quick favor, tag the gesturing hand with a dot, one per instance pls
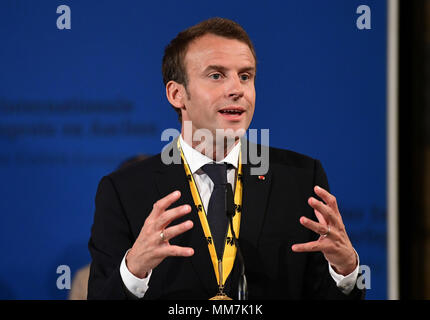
(333, 242)
(152, 245)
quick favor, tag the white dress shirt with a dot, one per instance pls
(196, 160)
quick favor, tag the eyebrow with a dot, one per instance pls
(224, 69)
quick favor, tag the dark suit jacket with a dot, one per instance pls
(269, 226)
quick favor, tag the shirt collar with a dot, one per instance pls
(196, 159)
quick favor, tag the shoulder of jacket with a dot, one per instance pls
(278, 156)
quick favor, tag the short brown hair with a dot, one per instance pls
(173, 66)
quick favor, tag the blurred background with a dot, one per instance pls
(78, 100)
(414, 149)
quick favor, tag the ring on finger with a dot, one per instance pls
(327, 233)
(163, 236)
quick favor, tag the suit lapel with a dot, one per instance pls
(170, 178)
(256, 190)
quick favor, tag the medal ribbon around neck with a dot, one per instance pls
(229, 246)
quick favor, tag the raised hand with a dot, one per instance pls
(152, 245)
(333, 242)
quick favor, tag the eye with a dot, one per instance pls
(245, 77)
(215, 76)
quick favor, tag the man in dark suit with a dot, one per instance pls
(149, 239)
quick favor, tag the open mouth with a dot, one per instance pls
(231, 112)
(234, 112)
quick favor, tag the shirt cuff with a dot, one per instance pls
(346, 283)
(135, 285)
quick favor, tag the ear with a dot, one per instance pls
(176, 94)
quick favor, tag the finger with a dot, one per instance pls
(174, 231)
(176, 251)
(327, 197)
(312, 246)
(314, 226)
(322, 208)
(161, 205)
(168, 216)
(320, 217)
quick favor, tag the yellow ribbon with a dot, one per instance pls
(229, 246)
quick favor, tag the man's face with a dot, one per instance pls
(221, 92)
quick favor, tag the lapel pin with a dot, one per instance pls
(262, 177)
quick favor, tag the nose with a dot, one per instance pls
(235, 89)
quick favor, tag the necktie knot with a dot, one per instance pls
(217, 172)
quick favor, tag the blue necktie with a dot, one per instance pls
(216, 215)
